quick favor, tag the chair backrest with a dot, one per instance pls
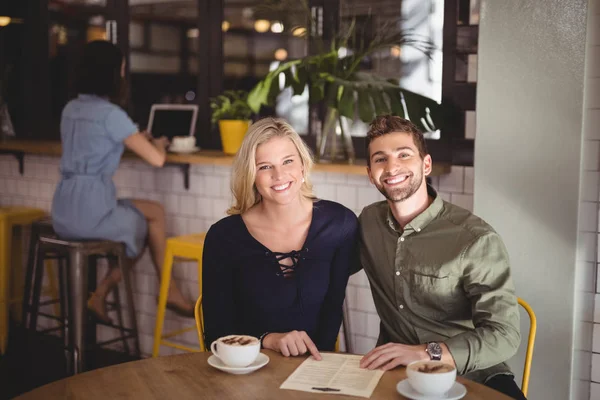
(199, 323)
(530, 344)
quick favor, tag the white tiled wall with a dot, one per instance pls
(587, 296)
(194, 210)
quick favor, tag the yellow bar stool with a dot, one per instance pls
(9, 218)
(188, 247)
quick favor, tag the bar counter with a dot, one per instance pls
(212, 157)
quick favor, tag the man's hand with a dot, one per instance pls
(292, 343)
(392, 355)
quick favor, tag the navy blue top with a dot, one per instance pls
(245, 291)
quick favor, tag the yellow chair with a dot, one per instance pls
(530, 344)
(188, 247)
(200, 323)
(9, 218)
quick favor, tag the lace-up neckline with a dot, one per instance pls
(287, 271)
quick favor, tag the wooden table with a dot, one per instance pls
(188, 376)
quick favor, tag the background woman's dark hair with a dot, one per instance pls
(100, 72)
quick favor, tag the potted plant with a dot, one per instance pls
(334, 78)
(232, 112)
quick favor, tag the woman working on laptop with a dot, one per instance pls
(94, 132)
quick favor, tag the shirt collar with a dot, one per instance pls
(422, 220)
(88, 96)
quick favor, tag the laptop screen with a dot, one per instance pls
(171, 123)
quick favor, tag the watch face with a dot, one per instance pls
(434, 350)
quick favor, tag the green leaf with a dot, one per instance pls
(366, 112)
(379, 101)
(274, 90)
(332, 95)
(258, 96)
(417, 106)
(299, 84)
(290, 77)
(396, 103)
(347, 102)
(316, 92)
(231, 105)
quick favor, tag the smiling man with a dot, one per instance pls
(440, 276)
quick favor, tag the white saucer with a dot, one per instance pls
(184, 151)
(260, 362)
(457, 391)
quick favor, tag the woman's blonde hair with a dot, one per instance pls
(243, 173)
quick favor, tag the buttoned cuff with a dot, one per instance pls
(459, 348)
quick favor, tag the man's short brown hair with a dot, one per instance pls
(385, 124)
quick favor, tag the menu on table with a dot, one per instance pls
(336, 374)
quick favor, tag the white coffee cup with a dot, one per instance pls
(183, 142)
(236, 350)
(431, 378)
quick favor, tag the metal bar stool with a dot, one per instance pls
(38, 228)
(189, 247)
(79, 263)
(11, 217)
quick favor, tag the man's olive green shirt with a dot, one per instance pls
(444, 278)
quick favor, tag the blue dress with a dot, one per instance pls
(245, 290)
(85, 204)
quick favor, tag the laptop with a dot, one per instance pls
(172, 120)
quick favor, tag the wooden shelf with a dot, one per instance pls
(20, 148)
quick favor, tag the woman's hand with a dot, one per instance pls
(292, 343)
(147, 135)
(161, 142)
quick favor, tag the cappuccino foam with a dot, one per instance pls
(432, 368)
(239, 340)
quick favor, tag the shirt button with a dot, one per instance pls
(401, 306)
(418, 229)
(398, 273)
(402, 239)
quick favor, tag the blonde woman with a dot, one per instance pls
(277, 267)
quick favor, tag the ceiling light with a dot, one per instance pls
(299, 31)
(193, 33)
(4, 21)
(281, 54)
(395, 51)
(225, 25)
(261, 25)
(277, 27)
(96, 20)
(247, 12)
(190, 95)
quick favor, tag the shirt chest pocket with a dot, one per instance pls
(438, 297)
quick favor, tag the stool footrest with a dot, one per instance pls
(178, 332)
(49, 302)
(50, 316)
(179, 346)
(49, 330)
(117, 339)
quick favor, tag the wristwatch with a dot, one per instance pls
(434, 350)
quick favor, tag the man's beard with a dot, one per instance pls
(400, 194)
